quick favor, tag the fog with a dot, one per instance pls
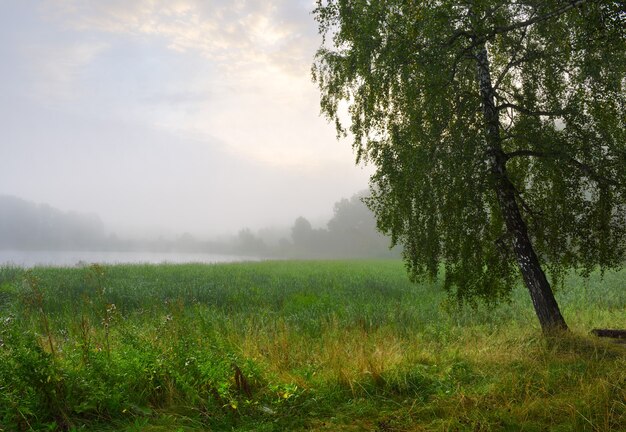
(36, 234)
(160, 118)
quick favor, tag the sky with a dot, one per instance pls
(169, 116)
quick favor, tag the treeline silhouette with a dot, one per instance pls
(350, 232)
(25, 225)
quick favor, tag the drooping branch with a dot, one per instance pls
(477, 41)
(522, 24)
(524, 204)
(511, 123)
(509, 136)
(458, 58)
(527, 111)
(514, 63)
(582, 167)
(518, 153)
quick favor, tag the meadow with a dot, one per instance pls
(298, 346)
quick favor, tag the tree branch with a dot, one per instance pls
(532, 153)
(513, 63)
(587, 170)
(529, 112)
(477, 41)
(560, 11)
(509, 136)
(525, 205)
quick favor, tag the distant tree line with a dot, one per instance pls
(26, 225)
(350, 233)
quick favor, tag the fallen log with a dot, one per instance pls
(609, 333)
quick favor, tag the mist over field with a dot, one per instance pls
(162, 118)
(34, 234)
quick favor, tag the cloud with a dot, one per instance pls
(179, 98)
(234, 34)
(56, 68)
(257, 98)
(229, 70)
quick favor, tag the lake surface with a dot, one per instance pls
(73, 258)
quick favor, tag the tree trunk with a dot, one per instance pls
(545, 304)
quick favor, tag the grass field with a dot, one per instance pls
(295, 346)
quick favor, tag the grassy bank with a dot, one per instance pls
(273, 346)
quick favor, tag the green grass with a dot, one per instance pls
(294, 346)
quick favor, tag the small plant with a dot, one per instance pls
(109, 313)
(35, 299)
(84, 332)
(285, 392)
(96, 276)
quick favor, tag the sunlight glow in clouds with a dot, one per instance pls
(193, 115)
(261, 52)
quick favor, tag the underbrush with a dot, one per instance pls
(287, 346)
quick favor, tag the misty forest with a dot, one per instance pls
(187, 244)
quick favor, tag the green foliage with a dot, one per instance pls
(407, 72)
(295, 346)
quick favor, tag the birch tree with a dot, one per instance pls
(497, 133)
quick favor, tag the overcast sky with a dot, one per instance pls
(180, 115)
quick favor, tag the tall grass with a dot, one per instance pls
(297, 346)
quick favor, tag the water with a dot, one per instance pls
(74, 258)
